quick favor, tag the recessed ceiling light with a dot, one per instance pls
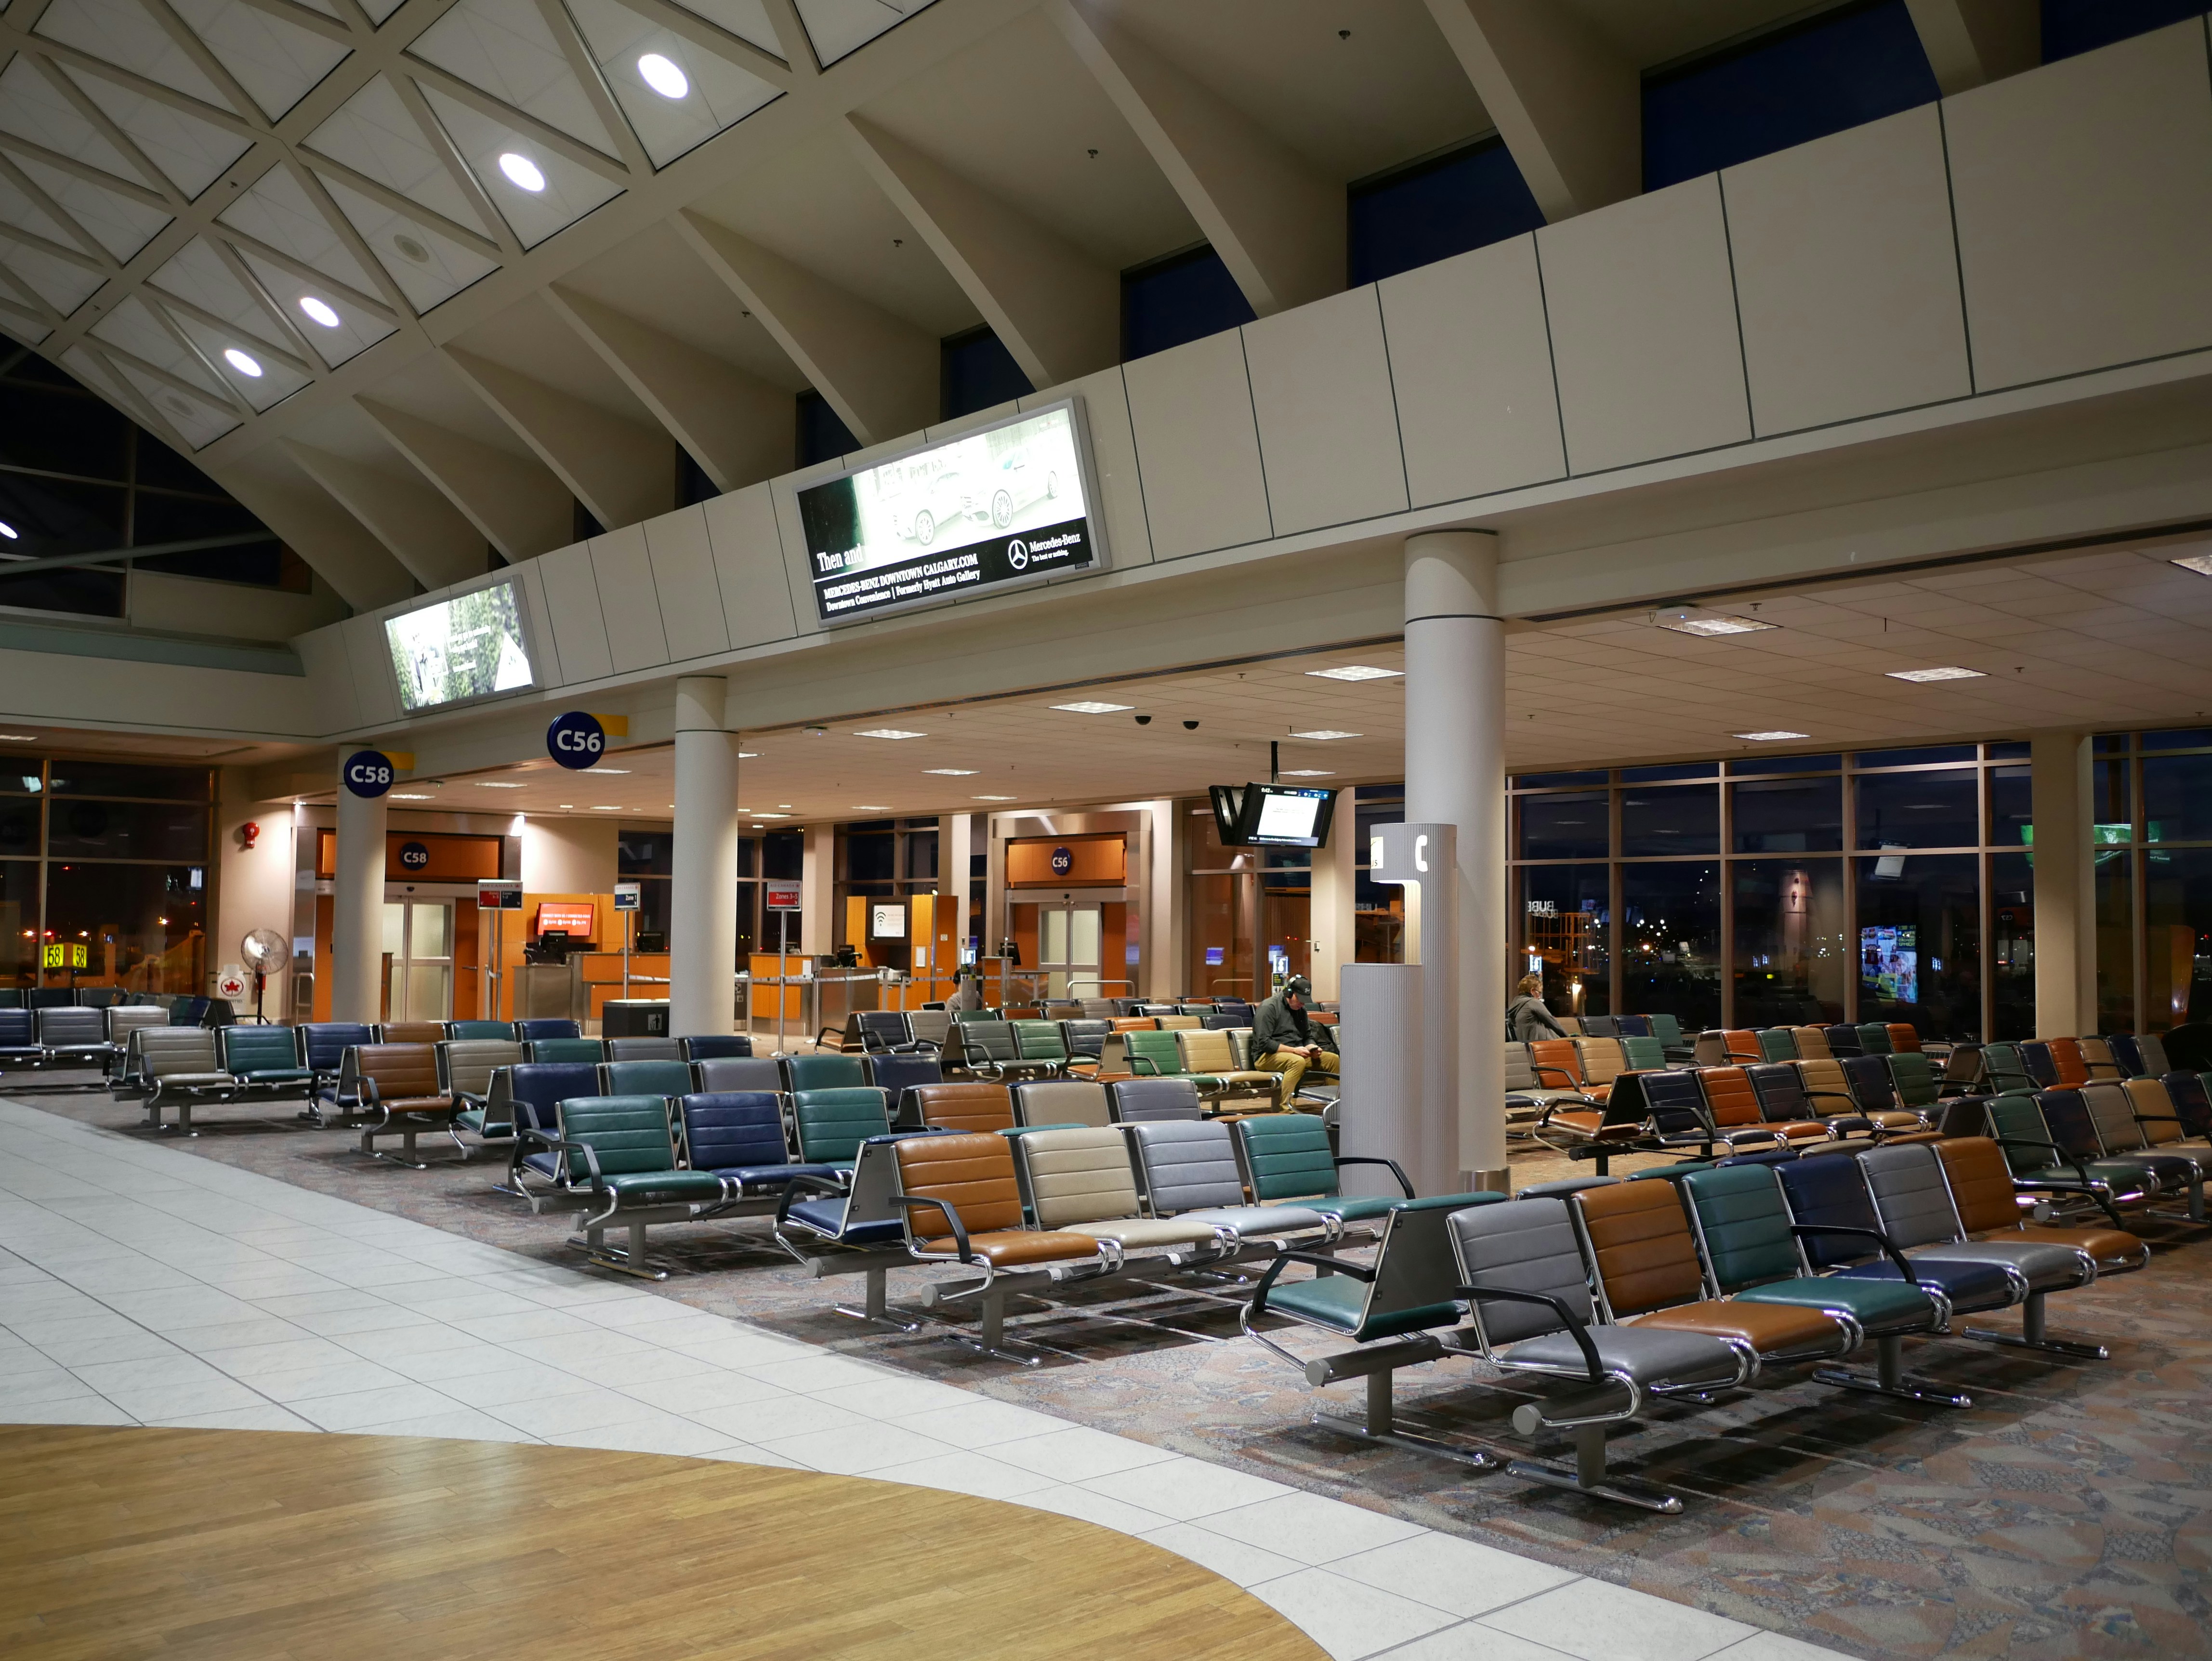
(1769, 737)
(1324, 733)
(748, 755)
(8, 531)
(398, 796)
(995, 798)
(601, 772)
(764, 816)
(18, 737)
(2199, 564)
(242, 362)
(523, 171)
(888, 733)
(783, 804)
(1683, 624)
(1307, 773)
(319, 312)
(1357, 671)
(870, 807)
(1949, 672)
(605, 807)
(953, 772)
(565, 806)
(1092, 708)
(494, 784)
(663, 77)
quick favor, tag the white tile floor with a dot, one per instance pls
(140, 1285)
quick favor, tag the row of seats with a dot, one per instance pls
(1720, 1045)
(1645, 1289)
(79, 1035)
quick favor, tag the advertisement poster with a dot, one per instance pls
(1889, 962)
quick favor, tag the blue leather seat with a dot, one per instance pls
(19, 1038)
(738, 1135)
(327, 1042)
(1831, 1192)
(896, 1075)
(527, 1031)
(535, 1088)
(714, 1046)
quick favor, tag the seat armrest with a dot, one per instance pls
(1576, 1328)
(1396, 1170)
(798, 1185)
(1314, 1259)
(908, 1201)
(1888, 1247)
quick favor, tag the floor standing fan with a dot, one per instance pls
(265, 950)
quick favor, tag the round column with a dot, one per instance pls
(702, 906)
(357, 909)
(1455, 776)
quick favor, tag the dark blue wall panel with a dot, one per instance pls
(975, 371)
(1181, 299)
(821, 435)
(1468, 199)
(2079, 26)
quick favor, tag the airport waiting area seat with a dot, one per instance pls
(657, 1075)
(1062, 1103)
(73, 1037)
(467, 1069)
(1076, 1179)
(530, 1031)
(2051, 1144)
(727, 1073)
(618, 1153)
(264, 1060)
(898, 1075)
(714, 1046)
(499, 1031)
(1840, 1233)
(1189, 1167)
(394, 1088)
(886, 1031)
(564, 1048)
(1132, 1101)
(523, 1099)
(823, 1070)
(738, 1136)
(180, 1067)
(410, 1031)
(830, 1124)
(965, 1106)
(644, 1050)
(2122, 1137)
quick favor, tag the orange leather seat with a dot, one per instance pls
(973, 1175)
(1981, 1188)
(1135, 1024)
(2073, 1066)
(1735, 1106)
(1559, 1067)
(1903, 1037)
(405, 1077)
(967, 1106)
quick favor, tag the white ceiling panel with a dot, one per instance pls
(63, 286)
(746, 19)
(427, 267)
(357, 329)
(504, 48)
(192, 152)
(378, 10)
(278, 63)
(277, 210)
(570, 193)
(838, 26)
(199, 424)
(31, 107)
(198, 275)
(19, 211)
(718, 94)
(17, 326)
(123, 226)
(133, 326)
(120, 32)
(278, 380)
(373, 135)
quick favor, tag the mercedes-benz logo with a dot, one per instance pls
(1018, 554)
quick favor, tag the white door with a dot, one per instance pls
(418, 954)
(1068, 950)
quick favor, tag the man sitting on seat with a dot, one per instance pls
(1286, 1040)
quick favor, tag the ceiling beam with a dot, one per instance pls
(619, 470)
(1054, 308)
(736, 427)
(421, 527)
(332, 541)
(1569, 105)
(878, 372)
(1277, 225)
(1969, 42)
(521, 508)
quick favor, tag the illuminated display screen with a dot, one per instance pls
(468, 647)
(1889, 962)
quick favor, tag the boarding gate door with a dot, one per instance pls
(418, 960)
(1069, 938)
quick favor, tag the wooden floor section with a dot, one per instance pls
(250, 1546)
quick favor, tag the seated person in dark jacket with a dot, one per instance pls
(1285, 1039)
(1527, 1018)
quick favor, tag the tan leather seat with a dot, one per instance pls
(469, 1063)
(1210, 1055)
(1812, 1043)
(1180, 1024)
(1080, 1182)
(967, 1106)
(1829, 1088)
(1735, 1106)
(1981, 1190)
(1602, 1061)
(1647, 1265)
(973, 1175)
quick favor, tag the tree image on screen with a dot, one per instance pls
(467, 647)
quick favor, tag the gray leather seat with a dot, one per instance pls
(1188, 1170)
(722, 1075)
(1135, 1100)
(1914, 1203)
(644, 1050)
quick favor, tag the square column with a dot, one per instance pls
(357, 908)
(702, 889)
(2059, 778)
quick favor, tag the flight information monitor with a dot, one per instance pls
(469, 647)
(1001, 507)
(1272, 815)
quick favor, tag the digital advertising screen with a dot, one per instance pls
(1889, 962)
(1002, 505)
(469, 647)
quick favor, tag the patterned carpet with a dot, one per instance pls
(2067, 1514)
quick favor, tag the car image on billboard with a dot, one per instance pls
(1012, 478)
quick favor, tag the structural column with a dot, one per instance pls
(817, 893)
(357, 909)
(702, 911)
(1332, 914)
(1455, 776)
(2065, 883)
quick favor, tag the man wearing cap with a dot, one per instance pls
(1287, 1040)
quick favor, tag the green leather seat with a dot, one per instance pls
(1745, 1226)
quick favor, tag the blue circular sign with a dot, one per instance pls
(1063, 862)
(576, 740)
(367, 773)
(414, 856)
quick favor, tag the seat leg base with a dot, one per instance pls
(1621, 1490)
(1474, 1458)
(2048, 1346)
(1890, 1379)
(629, 1260)
(876, 1305)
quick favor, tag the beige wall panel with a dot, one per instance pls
(569, 856)
(572, 599)
(627, 599)
(1198, 446)
(684, 576)
(1328, 424)
(333, 702)
(190, 606)
(545, 644)
(1846, 275)
(748, 566)
(1472, 366)
(376, 688)
(1120, 504)
(1643, 328)
(2084, 197)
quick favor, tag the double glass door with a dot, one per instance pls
(1069, 939)
(418, 960)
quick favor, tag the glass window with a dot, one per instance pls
(1696, 770)
(1920, 944)
(1565, 827)
(21, 779)
(1565, 924)
(1542, 780)
(2177, 936)
(2110, 743)
(922, 855)
(107, 778)
(127, 830)
(2012, 806)
(1683, 820)
(2177, 799)
(639, 852)
(785, 855)
(2111, 807)
(1220, 941)
(2012, 948)
(2116, 956)
(1794, 815)
(1923, 758)
(18, 922)
(2194, 738)
(1670, 940)
(870, 857)
(1918, 810)
(145, 925)
(1750, 765)
(1790, 960)
(2006, 751)
(19, 827)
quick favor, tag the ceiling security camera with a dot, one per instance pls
(1190, 726)
(1144, 721)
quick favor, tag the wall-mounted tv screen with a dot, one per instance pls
(578, 921)
(469, 647)
(1889, 962)
(1006, 504)
(1272, 815)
